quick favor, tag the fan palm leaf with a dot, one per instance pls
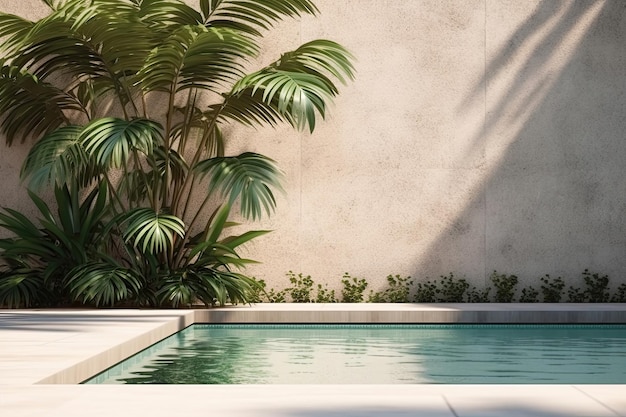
(150, 231)
(21, 288)
(59, 158)
(102, 283)
(110, 141)
(249, 176)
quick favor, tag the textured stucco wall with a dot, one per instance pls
(478, 135)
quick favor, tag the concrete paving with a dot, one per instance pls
(44, 354)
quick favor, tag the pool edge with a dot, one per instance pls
(343, 313)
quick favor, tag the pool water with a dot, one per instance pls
(380, 354)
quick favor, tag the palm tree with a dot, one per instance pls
(129, 99)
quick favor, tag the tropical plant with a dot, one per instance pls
(39, 259)
(131, 98)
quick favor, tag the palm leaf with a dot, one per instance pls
(93, 210)
(247, 107)
(232, 242)
(251, 15)
(320, 57)
(166, 15)
(110, 141)
(194, 56)
(182, 289)
(103, 283)
(150, 231)
(52, 44)
(19, 224)
(13, 29)
(29, 106)
(294, 89)
(59, 158)
(249, 176)
(102, 40)
(21, 288)
(208, 285)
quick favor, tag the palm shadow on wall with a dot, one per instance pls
(553, 196)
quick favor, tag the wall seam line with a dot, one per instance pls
(485, 192)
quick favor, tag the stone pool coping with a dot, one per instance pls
(40, 349)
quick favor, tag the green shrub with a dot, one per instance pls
(426, 292)
(529, 295)
(397, 291)
(274, 296)
(448, 289)
(325, 295)
(478, 296)
(452, 289)
(575, 295)
(301, 288)
(259, 293)
(552, 289)
(597, 287)
(620, 294)
(353, 289)
(505, 287)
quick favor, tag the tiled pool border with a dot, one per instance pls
(345, 313)
(171, 340)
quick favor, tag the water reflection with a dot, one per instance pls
(397, 354)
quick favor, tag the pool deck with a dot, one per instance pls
(45, 353)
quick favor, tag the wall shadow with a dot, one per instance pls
(553, 197)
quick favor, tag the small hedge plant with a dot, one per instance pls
(447, 289)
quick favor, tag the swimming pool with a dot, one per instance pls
(380, 354)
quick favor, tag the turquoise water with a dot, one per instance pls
(380, 354)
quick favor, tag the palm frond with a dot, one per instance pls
(13, 29)
(252, 15)
(150, 231)
(95, 40)
(110, 141)
(194, 56)
(138, 184)
(248, 108)
(52, 44)
(167, 15)
(249, 177)
(320, 57)
(207, 285)
(102, 283)
(29, 106)
(135, 185)
(54, 4)
(178, 167)
(21, 288)
(19, 225)
(59, 158)
(183, 288)
(293, 89)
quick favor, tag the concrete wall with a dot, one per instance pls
(478, 135)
